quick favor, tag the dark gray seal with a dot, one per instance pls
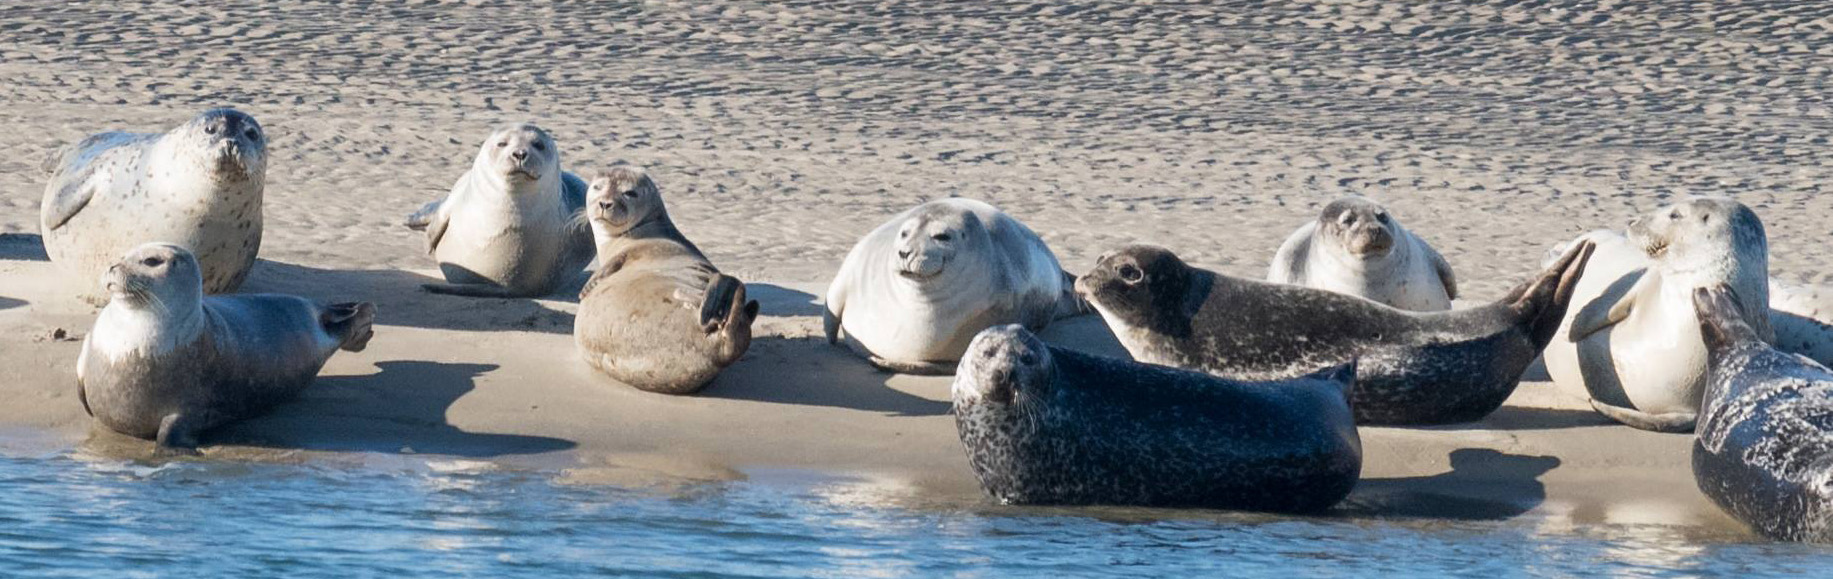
(1415, 367)
(1048, 426)
(167, 363)
(1764, 450)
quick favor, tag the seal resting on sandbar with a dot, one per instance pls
(1356, 247)
(1414, 367)
(656, 315)
(1764, 450)
(167, 363)
(198, 185)
(913, 292)
(1049, 426)
(511, 225)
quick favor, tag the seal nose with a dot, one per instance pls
(903, 254)
(520, 154)
(605, 205)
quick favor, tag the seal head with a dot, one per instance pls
(1362, 228)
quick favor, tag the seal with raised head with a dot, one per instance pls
(1356, 247)
(1414, 367)
(198, 185)
(1049, 426)
(511, 226)
(1764, 450)
(1631, 342)
(166, 362)
(656, 315)
(913, 292)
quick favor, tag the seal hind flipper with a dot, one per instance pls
(1544, 300)
(725, 304)
(1669, 422)
(352, 322)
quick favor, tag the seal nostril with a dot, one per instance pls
(520, 154)
(903, 254)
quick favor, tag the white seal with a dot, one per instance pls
(913, 293)
(512, 225)
(198, 185)
(1356, 247)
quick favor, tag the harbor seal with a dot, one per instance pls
(1356, 247)
(1415, 367)
(1802, 317)
(913, 292)
(198, 185)
(1764, 450)
(167, 363)
(511, 226)
(1049, 426)
(1631, 343)
(656, 315)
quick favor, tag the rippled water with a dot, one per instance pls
(61, 515)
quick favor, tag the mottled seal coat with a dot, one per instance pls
(1631, 343)
(913, 292)
(1049, 426)
(1355, 247)
(1764, 450)
(1414, 368)
(656, 315)
(198, 185)
(167, 363)
(511, 225)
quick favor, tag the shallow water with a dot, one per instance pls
(66, 514)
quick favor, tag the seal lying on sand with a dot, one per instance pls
(1765, 447)
(1355, 247)
(913, 292)
(198, 185)
(1632, 343)
(511, 226)
(167, 363)
(1415, 368)
(657, 315)
(1049, 426)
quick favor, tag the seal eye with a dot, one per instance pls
(501, 144)
(540, 146)
(252, 133)
(209, 129)
(941, 237)
(631, 193)
(152, 262)
(1673, 216)
(1382, 217)
(1131, 274)
(1027, 358)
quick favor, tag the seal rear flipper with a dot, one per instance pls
(352, 322)
(1542, 302)
(1669, 422)
(725, 305)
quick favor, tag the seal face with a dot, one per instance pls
(167, 363)
(198, 185)
(1356, 247)
(512, 225)
(1414, 368)
(1049, 426)
(1630, 343)
(1764, 450)
(913, 292)
(656, 315)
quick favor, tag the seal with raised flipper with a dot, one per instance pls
(166, 362)
(198, 185)
(1356, 247)
(1764, 450)
(1414, 367)
(913, 292)
(1044, 425)
(512, 225)
(656, 315)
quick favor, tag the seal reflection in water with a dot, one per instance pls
(1049, 426)
(198, 185)
(657, 315)
(1764, 450)
(167, 363)
(1415, 367)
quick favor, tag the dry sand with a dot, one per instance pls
(781, 132)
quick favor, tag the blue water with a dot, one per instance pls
(65, 516)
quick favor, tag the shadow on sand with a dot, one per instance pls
(1476, 473)
(401, 302)
(22, 247)
(776, 300)
(810, 372)
(7, 303)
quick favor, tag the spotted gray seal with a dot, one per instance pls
(1415, 367)
(656, 315)
(198, 185)
(913, 292)
(1356, 247)
(1047, 426)
(1764, 450)
(511, 225)
(166, 362)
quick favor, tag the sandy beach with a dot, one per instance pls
(781, 132)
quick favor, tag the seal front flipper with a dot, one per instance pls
(418, 220)
(72, 197)
(1444, 270)
(1669, 422)
(352, 323)
(1592, 320)
(178, 432)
